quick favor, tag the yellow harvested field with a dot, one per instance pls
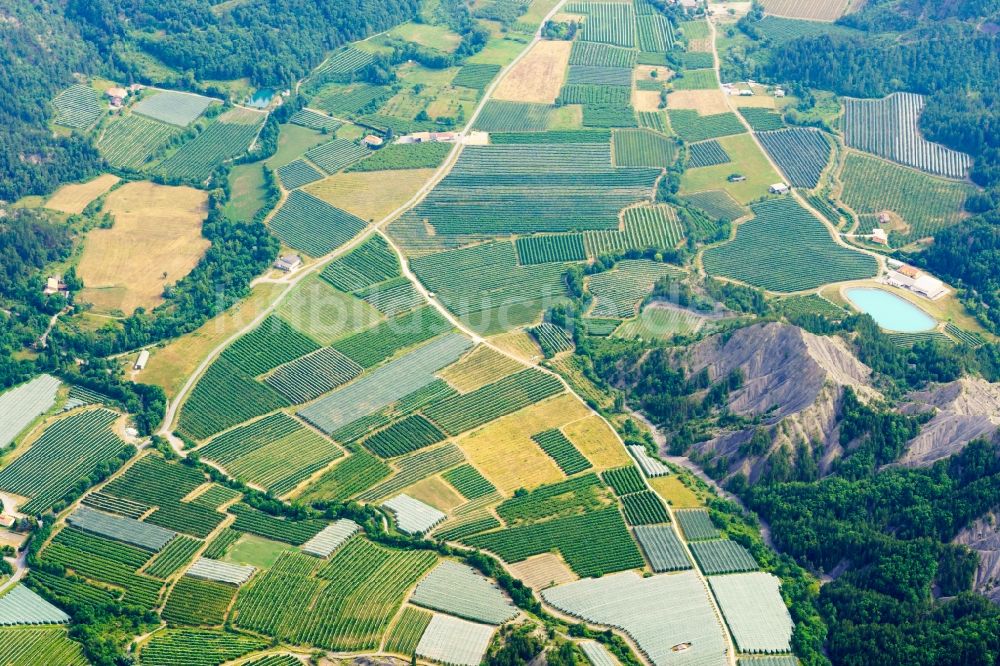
(518, 344)
(538, 76)
(505, 453)
(171, 365)
(483, 365)
(596, 440)
(155, 241)
(371, 195)
(436, 492)
(74, 198)
(705, 102)
(646, 100)
(542, 571)
(757, 101)
(676, 494)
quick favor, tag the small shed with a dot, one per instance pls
(372, 141)
(778, 188)
(778, 92)
(141, 361)
(288, 263)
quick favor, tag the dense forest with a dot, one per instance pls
(273, 42)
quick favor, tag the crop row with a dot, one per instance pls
(77, 107)
(314, 226)
(335, 155)
(642, 148)
(198, 602)
(593, 94)
(67, 452)
(415, 467)
(374, 345)
(129, 142)
(405, 436)
(609, 116)
(764, 255)
(618, 292)
(271, 344)
(706, 153)
(392, 297)
(501, 116)
(551, 338)
(762, 119)
(599, 75)
(464, 412)
(601, 55)
(469, 482)
(656, 34)
(315, 120)
(801, 153)
(593, 543)
(645, 227)
(553, 248)
(311, 376)
(691, 126)
(624, 480)
(219, 142)
(475, 75)
(369, 263)
(298, 173)
(176, 554)
(196, 647)
(295, 532)
(562, 451)
(644, 508)
(211, 407)
(607, 23)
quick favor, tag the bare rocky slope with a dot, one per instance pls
(983, 536)
(965, 409)
(793, 381)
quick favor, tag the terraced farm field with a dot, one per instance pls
(764, 255)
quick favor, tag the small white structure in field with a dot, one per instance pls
(879, 236)
(372, 141)
(778, 188)
(141, 361)
(746, 92)
(778, 92)
(288, 263)
(54, 285)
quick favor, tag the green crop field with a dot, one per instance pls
(269, 345)
(607, 23)
(68, 452)
(349, 477)
(372, 346)
(761, 119)
(369, 263)
(346, 603)
(172, 106)
(696, 79)
(624, 480)
(392, 297)
(617, 292)
(781, 30)
(178, 553)
(196, 647)
(226, 138)
(564, 498)
(722, 556)
(800, 153)
(659, 323)
(562, 451)
(718, 204)
(77, 107)
(765, 255)
(697, 524)
(691, 126)
(116, 505)
(210, 407)
(467, 411)
(551, 338)
(406, 632)
(276, 452)
(298, 173)
(198, 602)
(130, 141)
(654, 120)
(315, 120)
(415, 467)
(405, 436)
(642, 148)
(344, 63)
(656, 34)
(927, 204)
(646, 227)
(599, 75)
(644, 508)
(311, 376)
(594, 95)
(469, 482)
(486, 277)
(312, 225)
(601, 55)
(553, 137)
(525, 188)
(31, 646)
(697, 60)
(337, 154)
(706, 153)
(324, 313)
(593, 543)
(295, 532)
(609, 116)
(546, 249)
(499, 116)
(405, 156)
(475, 75)
(348, 100)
